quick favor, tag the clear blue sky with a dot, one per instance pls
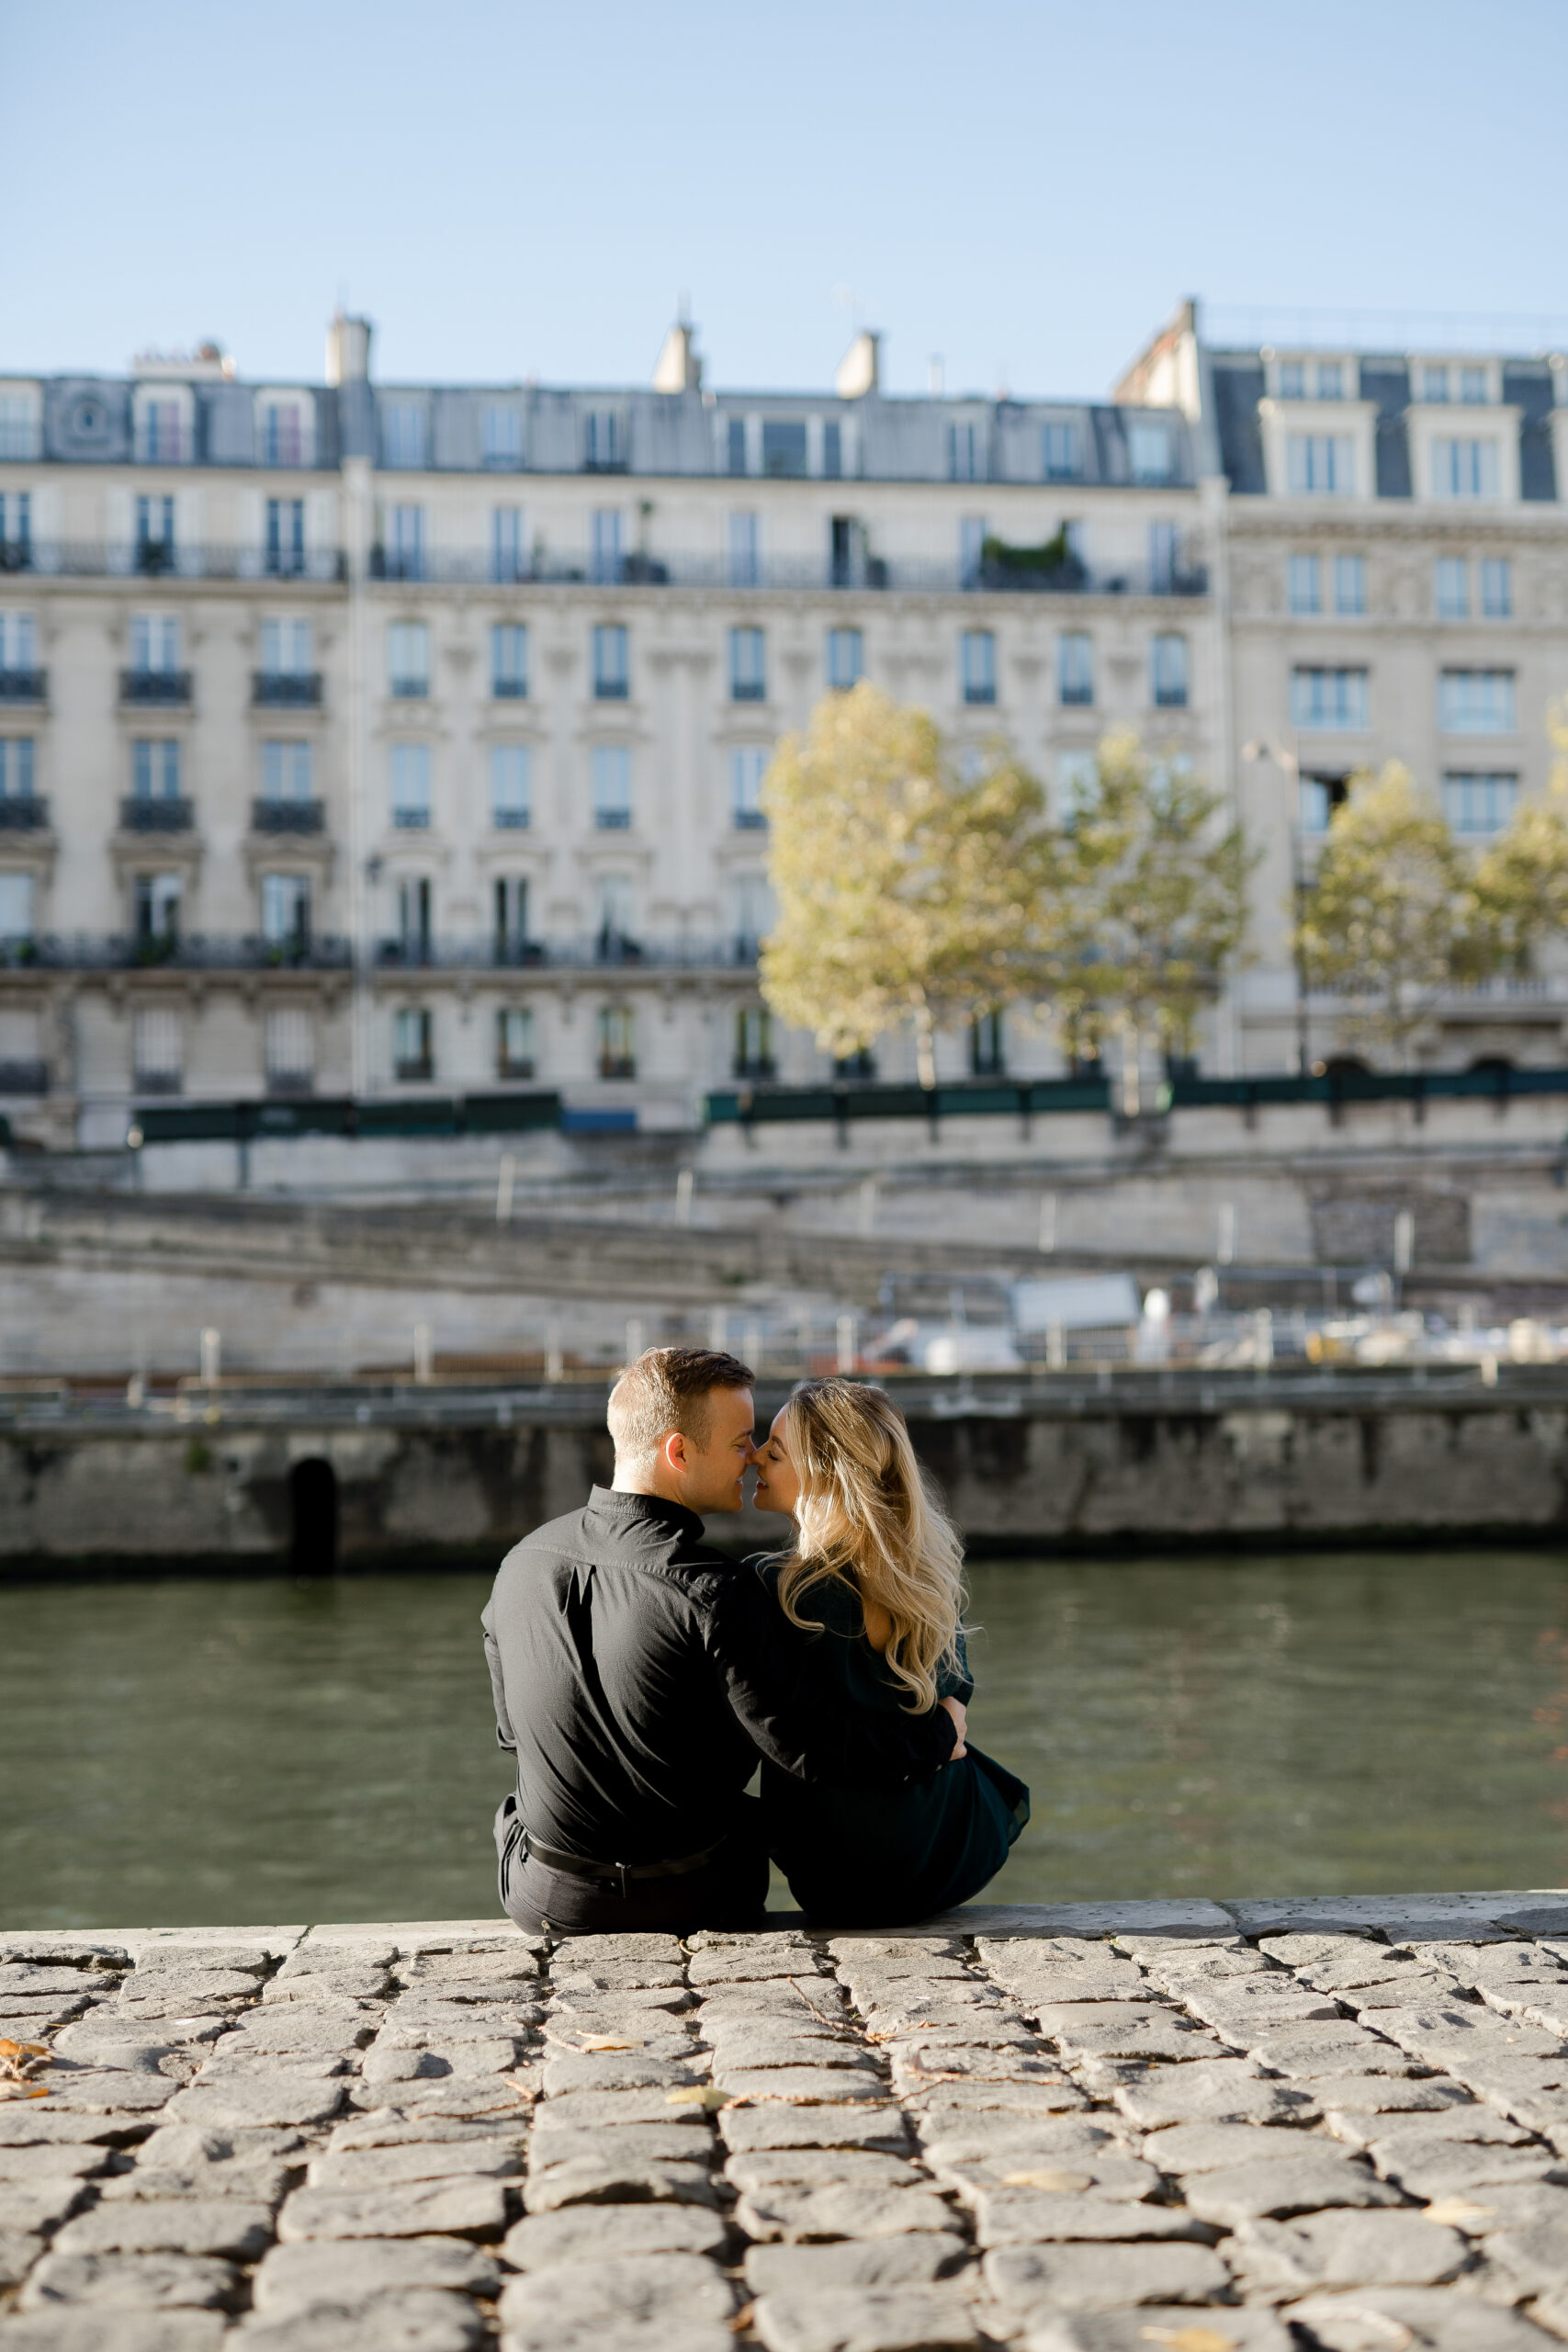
(1026, 189)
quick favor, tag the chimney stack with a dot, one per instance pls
(859, 369)
(348, 350)
(679, 369)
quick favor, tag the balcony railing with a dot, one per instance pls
(162, 558)
(199, 951)
(287, 815)
(24, 685)
(811, 574)
(24, 1078)
(166, 687)
(23, 812)
(602, 951)
(139, 815)
(287, 689)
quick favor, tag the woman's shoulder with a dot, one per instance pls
(766, 1566)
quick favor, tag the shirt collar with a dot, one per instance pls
(612, 1508)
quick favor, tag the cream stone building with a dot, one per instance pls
(402, 742)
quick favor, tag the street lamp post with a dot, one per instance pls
(1287, 765)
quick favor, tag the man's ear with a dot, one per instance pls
(674, 1453)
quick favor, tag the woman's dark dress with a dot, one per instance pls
(874, 1857)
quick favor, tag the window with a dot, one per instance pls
(1496, 588)
(617, 1042)
(160, 440)
(414, 918)
(1074, 668)
(285, 771)
(1167, 670)
(157, 1052)
(747, 768)
(1453, 588)
(286, 537)
(753, 1042)
(860, 1065)
(1320, 464)
(1330, 699)
(612, 774)
(605, 545)
(846, 658)
(402, 435)
(784, 449)
(734, 445)
(1317, 797)
(413, 1054)
(1292, 380)
(1473, 386)
(743, 550)
(15, 906)
(1330, 380)
(506, 545)
(1162, 558)
(1476, 702)
(1478, 805)
(1464, 468)
(289, 1047)
(154, 644)
(502, 436)
(971, 549)
(514, 1042)
(286, 648)
(408, 660)
(411, 786)
(155, 769)
(833, 451)
(966, 453)
(16, 528)
(748, 671)
(1435, 384)
(154, 534)
(19, 426)
(611, 665)
(1302, 584)
(754, 914)
(1060, 452)
(16, 767)
(511, 904)
(603, 441)
(1149, 450)
(511, 781)
(283, 433)
(285, 909)
(977, 665)
(155, 909)
(18, 644)
(405, 556)
(986, 1055)
(509, 661)
(616, 935)
(1349, 585)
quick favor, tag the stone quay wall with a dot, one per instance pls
(1244, 2127)
(1031, 1466)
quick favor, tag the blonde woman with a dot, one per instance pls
(873, 1582)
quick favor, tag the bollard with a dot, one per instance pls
(212, 1356)
(424, 1354)
(846, 1336)
(1048, 1238)
(685, 1184)
(505, 1178)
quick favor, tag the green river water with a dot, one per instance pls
(211, 1748)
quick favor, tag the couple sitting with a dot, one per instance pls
(640, 1677)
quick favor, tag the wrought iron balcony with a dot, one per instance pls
(287, 689)
(23, 812)
(15, 555)
(287, 815)
(164, 558)
(751, 821)
(24, 1078)
(24, 685)
(139, 814)
(174, 951)
(165, 687)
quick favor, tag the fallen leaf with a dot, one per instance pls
(1457, 2212)
(1190, 2339)
(23, 2050)
(704, 2094)
(24, 2091)
(1063, 2184)
(742, 2318)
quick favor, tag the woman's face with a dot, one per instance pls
(778, 1483)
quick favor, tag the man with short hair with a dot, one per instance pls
(640, 1674)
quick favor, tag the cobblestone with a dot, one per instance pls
(1103, 2130)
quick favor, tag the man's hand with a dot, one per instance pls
(955, 1708)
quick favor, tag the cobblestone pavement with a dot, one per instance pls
(1119, 2129)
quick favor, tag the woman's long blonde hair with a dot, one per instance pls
(866, 1519)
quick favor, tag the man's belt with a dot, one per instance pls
(613, 1873)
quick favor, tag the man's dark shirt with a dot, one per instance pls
(638, 1674)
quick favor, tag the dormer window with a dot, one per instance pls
(285, 423)
(502, 436)
(1473, 389)
(164, 418)
(20, 422)
(402, 435)
(1435, 384)
(1149, 451)
(1292, 380)
(605, 442)
(1330, 380)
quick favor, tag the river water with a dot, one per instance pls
(202, 1749)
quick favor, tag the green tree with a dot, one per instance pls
(1522, 880)
(906, 890)
(1157, 904)
(1392, 914)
